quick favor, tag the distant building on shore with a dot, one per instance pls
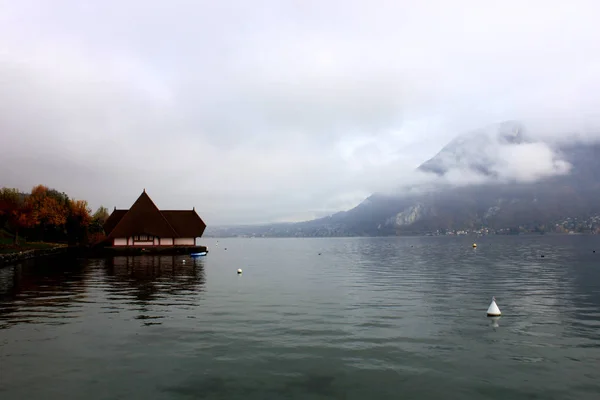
(145, 225)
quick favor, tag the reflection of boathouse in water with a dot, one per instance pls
(145, 225)
(154, 276)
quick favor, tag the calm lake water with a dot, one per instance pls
(368, 318)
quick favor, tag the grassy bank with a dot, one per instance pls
(7, 245)
(7, 249)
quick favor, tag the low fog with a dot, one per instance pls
(280, 110)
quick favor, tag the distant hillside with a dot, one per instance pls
(559, 203)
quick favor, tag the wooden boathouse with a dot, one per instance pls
(145, 225)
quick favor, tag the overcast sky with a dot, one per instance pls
(259, 111)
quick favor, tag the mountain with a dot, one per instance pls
(476, 150)
(485, 180)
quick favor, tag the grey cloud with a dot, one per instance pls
(272, 110)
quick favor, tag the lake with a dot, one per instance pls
(340, 318)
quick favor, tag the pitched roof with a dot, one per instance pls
(113, 220)
(145, 218)
(187, 223)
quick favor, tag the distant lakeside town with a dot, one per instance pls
(569, 226)
(566, 226)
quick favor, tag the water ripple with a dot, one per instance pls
(370, 317)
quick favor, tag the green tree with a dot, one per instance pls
(98, 220)
(101, 214)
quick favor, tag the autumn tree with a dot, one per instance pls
(47, 207)
(78, 220)
(15, 211)
(48, 213)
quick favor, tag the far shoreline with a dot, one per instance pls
(421, 235)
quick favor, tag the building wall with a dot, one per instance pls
(146, 243)
(156, 242)
(185, 241)
(129, 242)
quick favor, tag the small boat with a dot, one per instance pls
(202, 253)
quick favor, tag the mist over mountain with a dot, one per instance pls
(501, 178)
(476, 150)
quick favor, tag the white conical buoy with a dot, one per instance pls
(239, 270)
(493, 310)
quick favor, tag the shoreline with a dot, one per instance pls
(112, 251)
(7, 259)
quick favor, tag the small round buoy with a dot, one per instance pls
(474, 245)
(239, 271)
(493, 310)
(593, 251)
(542, 256)
(319, 253)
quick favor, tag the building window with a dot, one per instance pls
(143, 238)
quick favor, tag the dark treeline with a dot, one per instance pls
(50, 216)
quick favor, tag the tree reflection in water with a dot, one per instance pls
(57, 290)
(49, 290)
(156, 284)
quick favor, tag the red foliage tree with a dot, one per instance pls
(50, 212)
(16, 211)
(78, 221)
(81, 211)
(47, 209)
